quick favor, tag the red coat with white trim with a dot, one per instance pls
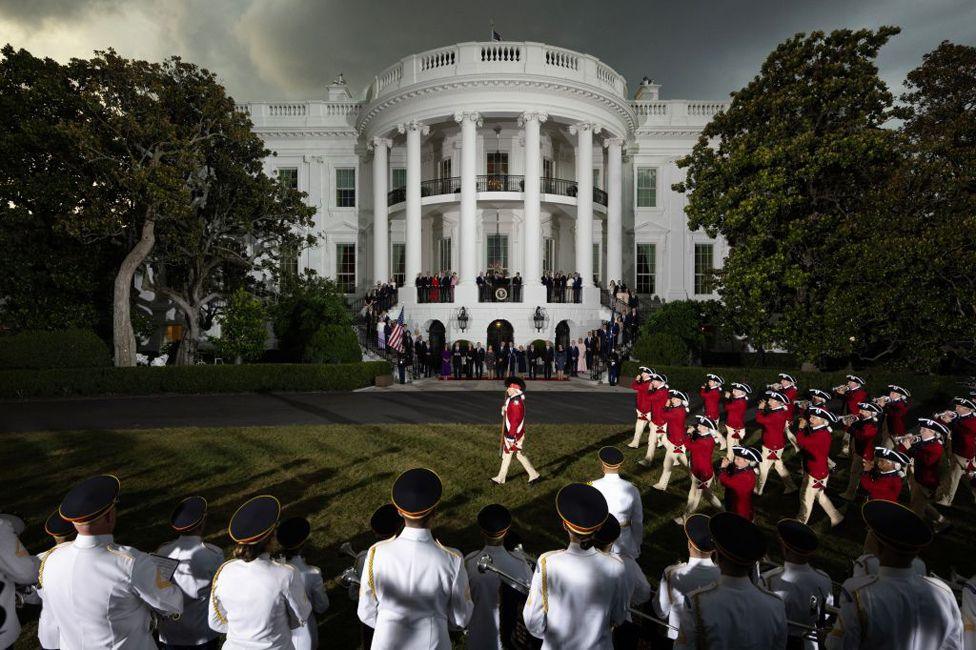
(773, 424)
(790, 394)
(928, 458)
(738, 484)
(852, 398)
(514, 415)
(643, 389)
(700, 450)
(895, 412)
(864, 432)
(711, 398)
(735, 412)
(814, 444)
(964, 436)
(882, 485)
(658, 398)
(675, 418)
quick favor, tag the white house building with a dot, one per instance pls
(469, 157)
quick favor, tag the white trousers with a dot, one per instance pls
(778, 465)
(815, 490)
(507, 460)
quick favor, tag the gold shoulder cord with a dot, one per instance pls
(372, 582)
(545, 587)
(213, 593)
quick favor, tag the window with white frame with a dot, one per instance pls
(548, 254)
(398, 262)
(704, 269)
(596, 178)
(346, 187)
(497, 252)
(547, 168)
(288, 261)
(647, 187)
(497, 163)
(444, 254)
(288, 177)
(399, 178)
(446, 168)
(646, 268)
(346, 267)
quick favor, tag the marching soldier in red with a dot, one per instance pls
(658, 401)
(735, 404)
(895, 405)
(711, 396)
(963, 460)
(814, 442)
(700, 443)
(513, 433)
(642, 386)
(864, 431)
(772, 416)
(852, 393)
(926, 451)
(884, 476)
(738, 477)
(674, 417)
(786, 386)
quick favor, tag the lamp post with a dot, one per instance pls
(539, 317)
(462, 319)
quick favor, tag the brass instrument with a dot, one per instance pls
(840, 389)
(802, 403)
(946, 415)
(911, 438)
(348, 550)
(850, 418)
(348, 578)
(881, 401)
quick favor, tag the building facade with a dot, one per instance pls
(516, 157)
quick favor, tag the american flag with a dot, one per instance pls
(396, 334)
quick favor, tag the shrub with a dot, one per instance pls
(200, 379)
(681, 318)
(306, 304)
(242, 329)
(56, 349)
(332, 344)
(662, 348)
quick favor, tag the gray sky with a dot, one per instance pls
(289, 49)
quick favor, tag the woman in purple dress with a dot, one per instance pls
(446, 361)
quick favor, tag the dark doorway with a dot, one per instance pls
(500, 331)
(562, 335)
(435, 338)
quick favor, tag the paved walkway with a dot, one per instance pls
(433, 384)
(464, 403)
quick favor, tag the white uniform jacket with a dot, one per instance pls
(867, 565)
(897, 610)
(624, 501)
(679, 580)
(257, 604)
(969, 615)
(796, 584)
(48, 634)
(17, 567)
(732, 614)
(413, 589)
(199, 562)
(306, 637)
(483, 629)
(576, 598)
(101, 594)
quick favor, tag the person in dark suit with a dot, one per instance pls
(469, 362)
(573, 359)
(547, 283)
(530, 356)
(479, 361)
(520, 361)
(501, 361)
(480, 281)
(456, 357)
(588, 345)
(420, 357)
(517, 288)
(613, 368)
(548, 358)
(577, 288)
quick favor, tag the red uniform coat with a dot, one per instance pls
(700, 450)
(514, 423)
(674, 418)
(852, 398)
(815, 446)
(711, 398)
(928, 457)
(739, 484)
(864, 433)
(882, 485)
(659, 398)
(773, 424)
(790, 394)
(735, 412)
(964, 436)
(895, 413)
(643, 389)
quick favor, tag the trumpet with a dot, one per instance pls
(882, 400)
(840, 389)
(946, 415)
(802, 403)
(774, 386)
(348, 578)
(348, 550)
(910, 438)
(850, 418)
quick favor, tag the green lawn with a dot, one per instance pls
(337, 475)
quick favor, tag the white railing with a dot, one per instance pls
(311, 113)
(676, 112)
(705, 109)
(500, 53)
(389, 77)
(438, 59)
(287, 110)
(650, 108)
(562, 59)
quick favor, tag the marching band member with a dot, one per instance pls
(198, 562)
(385, 522)
(772, 417)
(643, 391)
(675, 414)
(578, 594)
(736, 402)
(883, 477)
(968, 609)
(513, 435)
(738, 477)
(254, 600)
(963, 460)
(638, 588)
(494, 520)
(657, 400)
(895, 405)
(17, 566)
(815, 397)
(679, 580)
(624, 502)
(122, 586)
(413, 589)
(814, 442)
(852, 393)
(863, 431)
(62, 532)
(926, 452)
(896, 609)
(701, 447)
(711, 396)
(291, 536)
(798, 583)
(786, 386)
(733, 612)
(867, 563)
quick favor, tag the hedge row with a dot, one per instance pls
(254, 378)
(54, 349)
(925, 389)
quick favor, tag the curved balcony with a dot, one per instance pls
(494, 183)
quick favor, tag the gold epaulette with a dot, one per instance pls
(213, 593)
(449, 551)
(40, 570)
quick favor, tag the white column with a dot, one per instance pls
(413, 231)
(381, 213)
(615, 240)
(467, 289)
(584, 203)
(532, 289)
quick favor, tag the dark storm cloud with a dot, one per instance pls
(292, 48)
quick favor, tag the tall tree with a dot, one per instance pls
(780, 172)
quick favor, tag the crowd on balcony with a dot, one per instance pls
(493, 279)
(436, 287)
(561, 287)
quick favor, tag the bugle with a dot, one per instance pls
(840, 389)
(945, 415)
(347, 548)
(349, 578)
(850, 418)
